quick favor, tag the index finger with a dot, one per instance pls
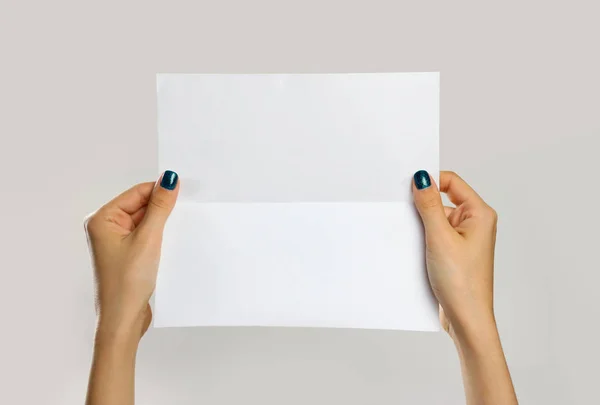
(132, 200)
(457, 189)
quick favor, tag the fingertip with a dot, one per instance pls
(166, 190)
(169, 180)
(421, 180)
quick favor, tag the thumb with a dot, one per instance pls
(429, 202)
(161, 202)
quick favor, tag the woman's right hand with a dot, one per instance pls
(460, 263)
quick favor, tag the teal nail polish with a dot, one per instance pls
(169, 180)
(422, 179)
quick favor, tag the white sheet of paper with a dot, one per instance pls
(295, 206)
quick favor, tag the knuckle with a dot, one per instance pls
(452, 173)
(159, 203)
(491, 214)
(91, 223)
(429, 202)
(495, 215)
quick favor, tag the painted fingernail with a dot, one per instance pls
(169, 180)
(422, 179)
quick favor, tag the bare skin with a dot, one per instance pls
(125, 238)
(460, 264)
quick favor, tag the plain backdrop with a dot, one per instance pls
(520, 120)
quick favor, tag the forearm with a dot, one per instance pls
(484, 369)
(113, 368)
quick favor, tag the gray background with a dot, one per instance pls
(519, 120)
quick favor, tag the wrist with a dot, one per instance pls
(470, 317)
(478, 333)
(119, 329)
(118, 336)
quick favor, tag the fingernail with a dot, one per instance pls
(422, 179)
(169, 180)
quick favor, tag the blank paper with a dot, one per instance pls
(295, 206)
